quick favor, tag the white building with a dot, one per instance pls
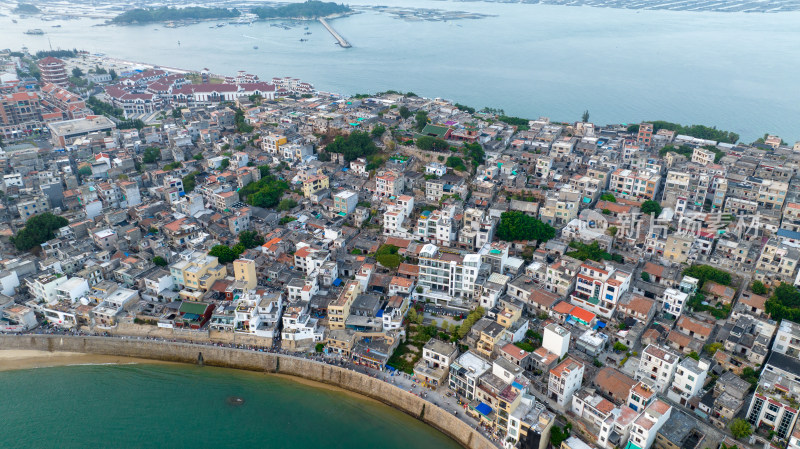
(657, 364)
(690, 376)
(435, 168)
(9, 281)
(674, 300)
(258, 314)
(565, 379)
(345, 202)
(72, 290)
(465, 373)
(556, 339)
(43, 287)
(647, 425)
(599, 287)
(445, 276)
(787, 340)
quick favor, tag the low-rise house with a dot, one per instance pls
(564, 380)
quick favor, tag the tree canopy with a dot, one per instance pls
(38, 229)
(388, 257)
(429, 143)
(608, 197)
(420, 119)
(160, 261)
(266, 192)
(515, 225)
(705, 273)
(741, 428)
(699, 131)
(357, 144)
(224, 253)
(592, 252)
(151, 155)
(310, 9)
(651, 207)
(784, 303)
(404, 112)
(165, 13)
(250, 239)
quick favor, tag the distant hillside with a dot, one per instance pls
(311, 9)
(26, 8)
(165, 14)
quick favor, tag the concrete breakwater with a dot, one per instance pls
(263, 362)
(339, 39)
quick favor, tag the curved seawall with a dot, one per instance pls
(353, 381)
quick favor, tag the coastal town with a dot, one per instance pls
(555, 284)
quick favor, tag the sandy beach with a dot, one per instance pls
(26, 359)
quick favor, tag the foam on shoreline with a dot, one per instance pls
(17, 359)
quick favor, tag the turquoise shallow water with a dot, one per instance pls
(144, 406)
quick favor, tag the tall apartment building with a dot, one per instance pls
(598, 287)
(20, 114)
(645, 136)
(445, 276)
(339, 310)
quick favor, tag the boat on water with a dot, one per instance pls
(56, 26)
(303, 40)
(255, 47)
(35, 31)
(307, 33)
(14, 20)
(220, 25)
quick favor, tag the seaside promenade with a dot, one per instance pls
(394, 389)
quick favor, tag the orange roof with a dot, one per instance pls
(563, 307)
(302, 252)
(583, 314)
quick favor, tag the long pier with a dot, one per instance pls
(342, 43)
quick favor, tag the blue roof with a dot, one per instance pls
(337, 282)
(516, 385)
(788, 234)
(601, 324)
(483, 409)
(379, 314)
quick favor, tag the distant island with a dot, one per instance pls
(311, 9)
(26, 8)
(165, 14)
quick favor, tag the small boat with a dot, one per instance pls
(307, 33)
(305, 28)
(255, 47)
(303, 40)
(14, 20)
(35, 31)
(56, 26)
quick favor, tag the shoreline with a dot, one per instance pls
(23, 359)
(306, 371)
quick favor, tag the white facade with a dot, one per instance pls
(565, 379)
(688, 381)
(674, 300)
(657, 364)
(556, 339)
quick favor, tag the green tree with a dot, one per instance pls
(224, 164)
(612, 231)
(694, 355)
(705, 273)
(608, 197)
(784, 303)
(412, 315)
(758, 288)
(740, 428)
(420, 120)
(619, 347)
(388, 257)
(223, 253)
(515, 225)
(645, 276)
(712, 348)
(38, 229)
(250, 239)
(160, 261)
(429, 143)
(357, 144)
(77, 72)
(151, 154)
(585, 116)
(266, 192)
(85, 171)
(404, 112)
(190, 182)
(377, 132)
(286, 204)
(456, 163)
(651, 207)
(558, 435)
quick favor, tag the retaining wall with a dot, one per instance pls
(353, 381)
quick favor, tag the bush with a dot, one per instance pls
(705, 273)
(287, 219)
(619, 347)
(160, 261)
(286, 204)
(515, 225)
(740, 428)
(758, 288)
